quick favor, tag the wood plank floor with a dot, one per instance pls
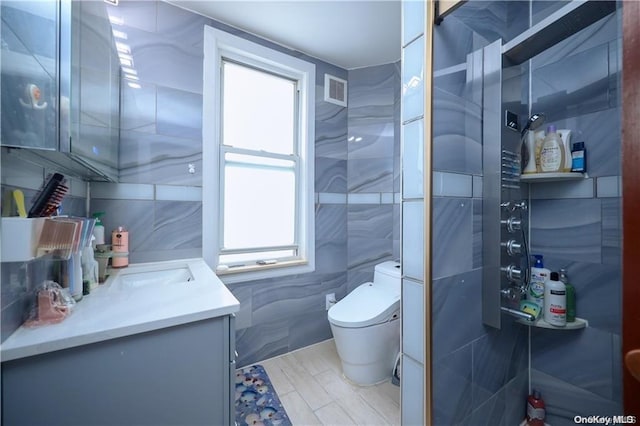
(312, 389)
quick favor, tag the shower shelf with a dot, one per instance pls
(551, 177)
(540, 323)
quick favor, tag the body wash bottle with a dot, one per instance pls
(552, 152)
(539, 275)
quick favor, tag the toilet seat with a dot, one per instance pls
(367, 305)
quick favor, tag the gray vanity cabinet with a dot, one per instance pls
(181, 375)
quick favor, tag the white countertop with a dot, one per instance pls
(113, 311)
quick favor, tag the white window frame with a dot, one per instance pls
(218, 45)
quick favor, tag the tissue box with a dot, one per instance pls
(20, 236)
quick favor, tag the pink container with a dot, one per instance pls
(120, 247)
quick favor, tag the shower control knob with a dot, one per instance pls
(513, 273)
(521, 205)
(512, 224)
(513, 247)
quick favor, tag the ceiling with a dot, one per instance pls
(350, 34)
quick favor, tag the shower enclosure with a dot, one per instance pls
(495, 64)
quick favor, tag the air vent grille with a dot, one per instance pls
(335, 90)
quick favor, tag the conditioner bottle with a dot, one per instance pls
(555, 301)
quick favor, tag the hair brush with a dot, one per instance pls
(49, 199)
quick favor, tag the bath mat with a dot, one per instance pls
(257, 403)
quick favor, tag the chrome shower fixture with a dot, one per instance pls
(534, 122)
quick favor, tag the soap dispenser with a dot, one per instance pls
(552, 153)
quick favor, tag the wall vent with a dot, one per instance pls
(335, 90)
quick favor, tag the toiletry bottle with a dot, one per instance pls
(530, 141)
(536, 412)
(552, 152)
(98, 229)
(555, 301)
(565, 137)
(579, 158)
(539, 140)
(571, 296)
(120, 244)
(539, 276)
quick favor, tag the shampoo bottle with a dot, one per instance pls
(552, 152)
(536, 412)
(539, 275)
(571, 296)
(555, 301)
(565, 137)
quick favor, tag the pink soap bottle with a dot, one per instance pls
(120, 247)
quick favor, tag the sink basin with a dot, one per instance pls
(178, 275)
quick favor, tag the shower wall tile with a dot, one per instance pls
(618, 368)
(451, 43)
(452, 185)
(600, 132)
(331, 175)
(377, 137)
(609, 186)
(452, 387)
(364, 198)
(492, 412)
(477, 234)
(452, 230)
(95, 111)
(331, 255)
(557, 230)
(612, 231)
(601, 32)
(495, 19)
(583, 188)
(498, 357)
(457, 132)
(122, 191)
(136, 14)
(515, 396)
(179, 113)
(565, 400)
(456, 303)
(93, 36)
(397, 230)
(590, 352)
(331, 223)
(153, 158)
(412, 328)
(412, 392)
(598, 291)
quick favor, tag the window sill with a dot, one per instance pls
(258, 272)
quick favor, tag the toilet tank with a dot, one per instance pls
(387, 274)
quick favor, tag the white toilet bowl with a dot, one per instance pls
(366, 328)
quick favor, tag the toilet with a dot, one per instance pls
(366, 328)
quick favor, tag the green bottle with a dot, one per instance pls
(571, 296)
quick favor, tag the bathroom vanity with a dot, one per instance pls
(153, 345)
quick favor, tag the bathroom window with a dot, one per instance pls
(258, 133)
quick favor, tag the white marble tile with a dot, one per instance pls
(412, 20)
(178, 193)
(122, 191)
(306, 385)
(477, 187)
(332, 198)
(386, 198)
(413, 239)
(413, 80)
(561, 190)
(298, 411)
(608, 186)
(412, 392)
(452, 185)
(413, 159)
(365, 198)
(413, 319)
(333, 414)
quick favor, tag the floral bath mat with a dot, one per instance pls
(257, 403)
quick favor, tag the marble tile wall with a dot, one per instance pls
(373, 166)
(20, 279)
(579, 373)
